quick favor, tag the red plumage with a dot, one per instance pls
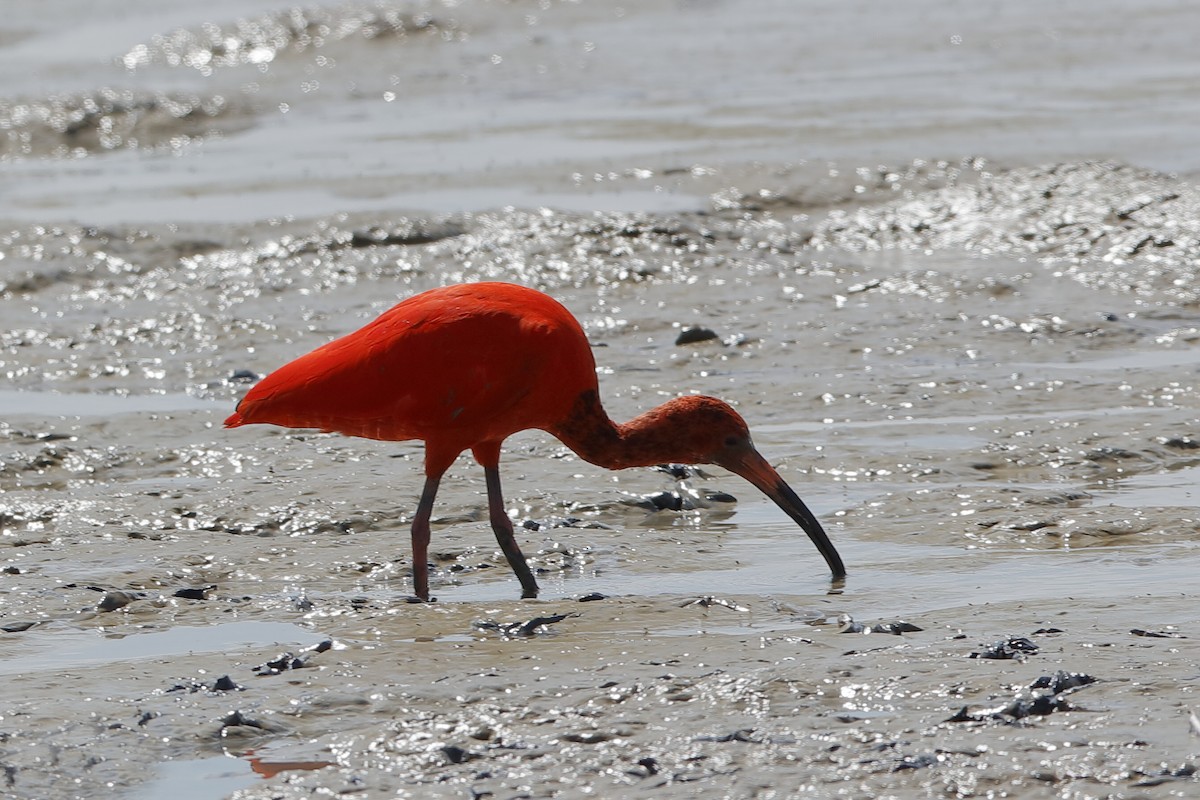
(464, 367)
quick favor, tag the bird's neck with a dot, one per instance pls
(595, 438)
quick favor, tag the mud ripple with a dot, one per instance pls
(112, 119)
(1097, 217)
(261, 40)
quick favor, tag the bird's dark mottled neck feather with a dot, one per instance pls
(590, 433)
(655, 437)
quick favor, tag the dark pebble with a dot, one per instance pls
(238, 719)
(116, 599)
(695, 335)
(194, 592)
(963, 715)
(457, 755)
(649, 764)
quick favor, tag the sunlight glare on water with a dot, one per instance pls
(48, 651)
(946, 252)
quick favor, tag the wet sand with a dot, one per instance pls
(1000, 452)
(981, 376)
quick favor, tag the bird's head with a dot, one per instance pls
(708, 431)
(699, 430)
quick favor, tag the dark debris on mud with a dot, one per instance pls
(1046, 695)
(1015, 647)
(535, 626)
(290, 661)
(895, 628)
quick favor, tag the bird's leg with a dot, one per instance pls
(502, 525)
(420, 537)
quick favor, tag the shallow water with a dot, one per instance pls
(949, 251)
(579, 106)
(51, 651)
(59, 404)
(197, 779)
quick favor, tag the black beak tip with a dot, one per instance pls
(790, 502)
(837, 569)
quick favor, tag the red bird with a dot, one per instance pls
(465, 367)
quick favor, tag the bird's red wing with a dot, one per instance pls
(460, 365)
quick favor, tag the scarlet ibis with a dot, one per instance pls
(467, 366)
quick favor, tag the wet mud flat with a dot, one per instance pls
(983, 381)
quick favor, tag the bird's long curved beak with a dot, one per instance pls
(754, 468)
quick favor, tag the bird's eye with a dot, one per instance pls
(731, 441)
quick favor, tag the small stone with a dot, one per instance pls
(116, 599)
(695, 335)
